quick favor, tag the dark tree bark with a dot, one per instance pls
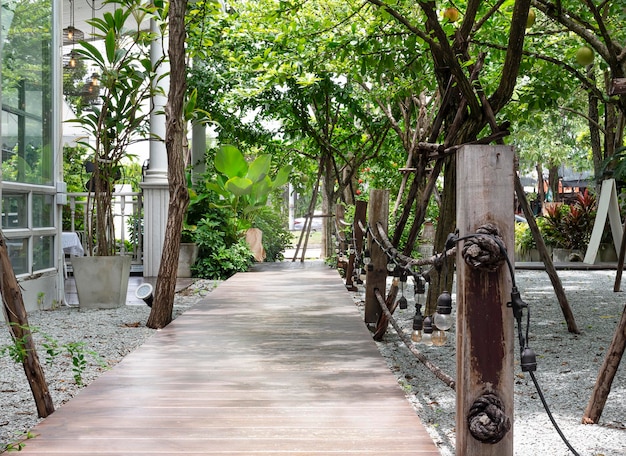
(163, 303)
(607, 373)
(14, 310)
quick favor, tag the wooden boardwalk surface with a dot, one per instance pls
(273, 362)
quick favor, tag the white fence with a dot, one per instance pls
(128, 218)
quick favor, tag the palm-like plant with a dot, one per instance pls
(128, 81)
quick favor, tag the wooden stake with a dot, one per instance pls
(485, 331)
(377, 276)
(607, 373)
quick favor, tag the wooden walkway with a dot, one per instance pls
(273, 362)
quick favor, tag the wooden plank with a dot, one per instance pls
(485, 335)
(274, 361)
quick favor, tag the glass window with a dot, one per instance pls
(14, 210)
(18, 254)
(27, 155)
(43, 252)
(43, 210)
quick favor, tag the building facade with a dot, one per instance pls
(31, 185)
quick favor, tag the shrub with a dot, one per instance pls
(276, 237)
(220, 252)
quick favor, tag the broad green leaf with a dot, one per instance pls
(282, 177)
(239, 186)
(259, 168)
(230, 161)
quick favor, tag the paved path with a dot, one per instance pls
(273, 362)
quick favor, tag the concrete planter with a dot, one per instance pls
(567, 255)
(607, 253)
(186, 258)
(101, 281)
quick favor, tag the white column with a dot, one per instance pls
(155, 184)
(198, 150)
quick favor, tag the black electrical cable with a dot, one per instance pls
(517, 305)
(523, 342)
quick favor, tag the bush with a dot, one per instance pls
(219, 255)
(570, 227)
(223, 262)
(276, 237)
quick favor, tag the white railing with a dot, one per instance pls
(128, 219)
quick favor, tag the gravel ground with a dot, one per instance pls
(567, 370)
(111, 334)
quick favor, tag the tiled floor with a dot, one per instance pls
(274, 362)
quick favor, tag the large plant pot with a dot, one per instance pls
(567, 255)
(101, 282)
(186, 258)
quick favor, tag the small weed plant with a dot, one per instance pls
(77, 351)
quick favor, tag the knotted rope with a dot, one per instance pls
(486, 420)
(484, 252)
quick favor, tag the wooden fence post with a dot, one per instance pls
(485, 325)
(360, 215)
(377, 272)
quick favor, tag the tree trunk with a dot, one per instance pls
(442, 279)
(607, 373)
(545, 257)
(553, 182)
(163, 302)
(20, 333)
(541, 190)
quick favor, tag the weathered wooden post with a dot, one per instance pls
(485, 325)
(377, 271)
(360, 214)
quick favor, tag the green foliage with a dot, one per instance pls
(524, 240)
(245, 187)
(219, 261)
(570, 227)
(128, 81)
(19, 444)
(77, 351)
(276, 237)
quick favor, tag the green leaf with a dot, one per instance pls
(110, 44)
(259, 168)
(230, 161)
(239, 186)
(282, 177)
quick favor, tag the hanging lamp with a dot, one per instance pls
(70, 33)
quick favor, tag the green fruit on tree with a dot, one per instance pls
(452, 14)
(530, 20)
(304, 178)
(584, 56)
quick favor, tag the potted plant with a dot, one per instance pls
(568, 227)
(126, 83)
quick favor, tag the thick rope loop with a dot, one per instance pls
(487, 420)
(483, 252)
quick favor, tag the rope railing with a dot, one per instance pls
(445, 378)
(483, 250)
